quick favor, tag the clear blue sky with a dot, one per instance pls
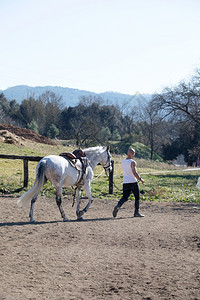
(126, 46)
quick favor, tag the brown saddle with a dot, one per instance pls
(79, 153)
(76, 155)
(68, 155)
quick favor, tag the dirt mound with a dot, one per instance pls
(10, 138)
(25, 134)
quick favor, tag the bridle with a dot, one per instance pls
(107, 165)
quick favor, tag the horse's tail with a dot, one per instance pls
(25, 199)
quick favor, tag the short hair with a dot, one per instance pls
(131, 150)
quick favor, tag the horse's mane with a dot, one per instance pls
(97, 149)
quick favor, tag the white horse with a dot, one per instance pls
(60, 172)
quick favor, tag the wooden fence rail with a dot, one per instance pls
(25, 163)
(26, 159)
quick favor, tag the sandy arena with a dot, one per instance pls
(156, 257)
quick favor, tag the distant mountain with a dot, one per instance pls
(70, 96)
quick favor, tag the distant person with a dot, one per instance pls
(130, 184)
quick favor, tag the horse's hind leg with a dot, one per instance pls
(33, 202)
(59, 203)
(31, 209)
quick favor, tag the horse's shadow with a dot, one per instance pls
(27, 223)
(10, 224)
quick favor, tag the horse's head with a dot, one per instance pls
(99, 155)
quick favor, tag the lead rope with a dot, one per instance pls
(113, 183)
(99, 175)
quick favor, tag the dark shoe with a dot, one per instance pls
(139, 215)
(115, 211)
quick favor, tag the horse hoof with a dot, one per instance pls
(80, 218)
(32, 221)
(80, 213)
(65, 219)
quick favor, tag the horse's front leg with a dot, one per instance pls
(59, 203)
(78, 198)
(89, 195)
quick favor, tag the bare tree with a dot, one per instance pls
(89, 100)
(53, 105)
(182, 102)
(150, 123)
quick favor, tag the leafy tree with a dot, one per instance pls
(14, 113)
(104, 134)
(84, 123)
(185, 141)
(53, 131)
(33, 126)
(10, 111)
(4, 104)
(2, 116)
(116, 136)
(45, 111)
(130, 138)
(30, 110)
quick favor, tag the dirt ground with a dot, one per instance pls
(156, 257)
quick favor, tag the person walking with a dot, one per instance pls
(130, 183)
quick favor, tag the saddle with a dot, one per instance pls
(68, 155)
(77, 155)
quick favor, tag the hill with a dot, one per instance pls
(70, 96)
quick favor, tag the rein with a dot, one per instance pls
(107, 162)
(113, 183)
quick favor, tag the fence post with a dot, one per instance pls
(25, 161)
(111, 177)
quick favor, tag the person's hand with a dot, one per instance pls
(142, 180)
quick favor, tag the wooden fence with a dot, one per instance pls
(26, 159)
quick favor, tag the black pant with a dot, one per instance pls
(129, 188)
